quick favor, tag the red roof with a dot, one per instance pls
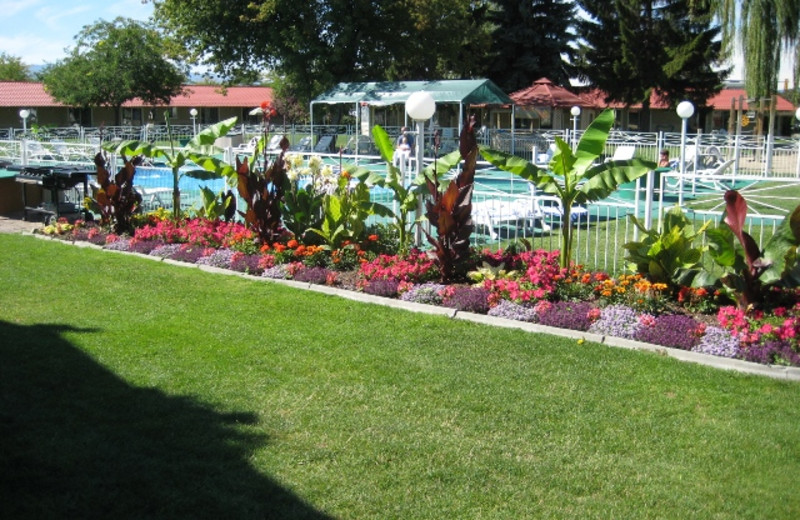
(595, 98)
(722, 101)
(25, 94)
(543, 93)
(33, 94)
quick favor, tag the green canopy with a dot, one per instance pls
(462, 91)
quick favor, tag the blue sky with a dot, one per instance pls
(37, 31)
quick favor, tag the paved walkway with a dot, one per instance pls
(13, 223)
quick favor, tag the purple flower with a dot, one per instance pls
(617, 320)
(188, 253)
(315, 275)
(429, 293)
(773, 352)
(468, 298)
(382, 287)
(144, 246)
(247, 264)
(165, 251)
(513, 311)
(123, 244)
(718, 342)
(278, 272)
(220, 258)
(567, 315)
(671, 330)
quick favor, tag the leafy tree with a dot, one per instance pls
(632, 47)
(12, 68)
(314, 45)
(529, 40)
(763, 29)
(114, 62)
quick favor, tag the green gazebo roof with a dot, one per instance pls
(466, 91)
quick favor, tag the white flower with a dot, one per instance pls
(293, 174)
(327, 172)
(315, 163)
(294, 160)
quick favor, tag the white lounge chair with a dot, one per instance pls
(152, 197)
(494, 212)
(623, 153)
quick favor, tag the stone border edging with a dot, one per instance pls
(738, 365)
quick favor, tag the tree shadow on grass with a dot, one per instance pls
(76, 441)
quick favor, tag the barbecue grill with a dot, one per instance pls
(60, 182)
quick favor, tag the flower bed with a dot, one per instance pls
(527, 286)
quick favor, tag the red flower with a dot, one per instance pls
(373, 238)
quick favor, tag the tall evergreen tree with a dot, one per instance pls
(629, 48)
(529, 41)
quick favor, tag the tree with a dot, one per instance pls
(763, 29)
(12, 68)
(114, 62)
(314, 45)
(631, 48)
(529, 41)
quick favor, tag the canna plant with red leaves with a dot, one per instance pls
(746, 271)
(262, 191)
(450, 211)
(116, 200)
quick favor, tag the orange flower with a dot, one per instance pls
(265, 248)
(292, 244)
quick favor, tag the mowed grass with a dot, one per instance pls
(136, 389)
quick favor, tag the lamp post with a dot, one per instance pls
(576, 112)
(685, 110)
(420, 106)
(193, 113)
(24, 114)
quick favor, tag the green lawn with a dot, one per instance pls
(136, 389)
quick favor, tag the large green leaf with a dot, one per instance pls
(212, 165)
(781, 250)
(383, 143)
(602, 180)
(593, 141)
(210, 134)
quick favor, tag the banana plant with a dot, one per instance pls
(176, 158)
(575, 178)
(404, 196)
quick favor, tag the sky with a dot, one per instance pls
(38, 31)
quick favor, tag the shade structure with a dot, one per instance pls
(464, 93)
(544, 93)
(468, 92)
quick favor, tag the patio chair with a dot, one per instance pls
(325, 144)
(152, 197)
(623, 153)
(304, 145)
(493, 213)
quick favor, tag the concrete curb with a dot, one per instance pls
(737, 365)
